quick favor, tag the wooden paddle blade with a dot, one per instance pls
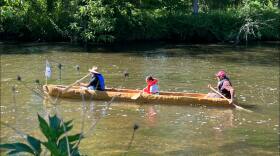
(236, 106)
(241, 108)
(135, 97)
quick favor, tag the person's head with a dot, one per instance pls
(93, 70)
(221, 74)
(149, 78)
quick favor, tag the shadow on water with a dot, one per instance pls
(38, 48)
(191, 151)
(32, 48)
(242, 147)
(266, 54)
(248, 106)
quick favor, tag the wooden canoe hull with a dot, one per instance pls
(126, 95)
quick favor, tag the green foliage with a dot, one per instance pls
(111, 21)
(17, 148)
(58, 142)
(35, 144)
(96, 21)
(258, 18)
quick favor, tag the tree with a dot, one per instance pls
(195, 7)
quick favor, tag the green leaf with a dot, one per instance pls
(52, 147)
(54, 122)
(13, 152)
(67, 123)
(62, 145)
(68, 127)
(17, 148)
(35, 143)
(75, 152)
(75, 137)
(23, 147)
(8, 146)
(46, 130)
(44, 126)
(71, 139)
(56, 126)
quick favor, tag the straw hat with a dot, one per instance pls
(93, 70)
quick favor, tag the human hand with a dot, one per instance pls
(209, 86)
(230, 101)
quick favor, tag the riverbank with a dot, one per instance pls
(108, 23)
(7, 47)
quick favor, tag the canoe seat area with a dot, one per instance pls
(122, 90)
(183, 94)
(183, 100)
(138, 91)
(161, 93)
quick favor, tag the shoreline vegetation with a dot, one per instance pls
(107, 22)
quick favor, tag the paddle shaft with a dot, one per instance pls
(236, 106)
(219, 93)
(67, 88)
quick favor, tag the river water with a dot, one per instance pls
(174, 130)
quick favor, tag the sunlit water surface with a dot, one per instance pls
(174, 130)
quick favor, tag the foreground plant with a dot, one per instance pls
(58, 143)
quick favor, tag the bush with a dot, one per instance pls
(104, 21)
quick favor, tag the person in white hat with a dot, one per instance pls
(96, 82)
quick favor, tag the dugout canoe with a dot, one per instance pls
(179, 98)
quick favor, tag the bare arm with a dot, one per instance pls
(89, 83)
(209, 85)
(83, 84)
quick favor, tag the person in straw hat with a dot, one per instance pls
(96, 82)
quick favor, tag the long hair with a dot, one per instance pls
(149, 78)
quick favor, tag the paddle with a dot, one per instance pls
(67, 88)
(236, 106)
(137, 96)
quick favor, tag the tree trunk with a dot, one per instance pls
(195, 7)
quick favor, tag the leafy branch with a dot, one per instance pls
(55, 132)
(252, 28)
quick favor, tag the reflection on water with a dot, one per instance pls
(163, 129)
